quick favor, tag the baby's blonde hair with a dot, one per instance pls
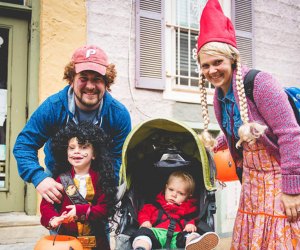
(249, 131)
(187, 178)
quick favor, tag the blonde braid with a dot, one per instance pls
(241, 93)
(248, 132)
(205, 136)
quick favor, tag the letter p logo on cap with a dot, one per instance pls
(90, 52)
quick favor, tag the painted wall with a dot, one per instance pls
(63, 29)
(277, 43)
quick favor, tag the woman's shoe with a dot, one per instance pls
(206, 241)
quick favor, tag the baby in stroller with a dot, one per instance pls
(169, 221)
(151, 154)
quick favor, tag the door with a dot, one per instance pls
(13, 92)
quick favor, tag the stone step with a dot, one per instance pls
(18, 228)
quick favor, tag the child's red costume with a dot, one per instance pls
(94, 213)
(150, 213)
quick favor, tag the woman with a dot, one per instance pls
(263, 137)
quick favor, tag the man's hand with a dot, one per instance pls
(190, 228)
(291, 204)
(49, 189)
(146, 224)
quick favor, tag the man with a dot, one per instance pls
(85, 98)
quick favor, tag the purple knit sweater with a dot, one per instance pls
(282, 138)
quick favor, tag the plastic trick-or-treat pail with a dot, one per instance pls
(225, 166)
(58, 242)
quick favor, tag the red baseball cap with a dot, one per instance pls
(215, 26)
(90, 57)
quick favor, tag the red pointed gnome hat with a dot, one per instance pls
(215, 26)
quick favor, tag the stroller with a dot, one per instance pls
(151, 152)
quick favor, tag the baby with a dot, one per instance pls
(170, 221)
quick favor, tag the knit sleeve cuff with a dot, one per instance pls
(221, 144)
(291, 184)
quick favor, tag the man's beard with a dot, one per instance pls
(88, 104)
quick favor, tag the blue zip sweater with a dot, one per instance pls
(51, 116)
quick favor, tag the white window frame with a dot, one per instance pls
(184, 93)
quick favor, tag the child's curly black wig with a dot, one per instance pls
(86, 132)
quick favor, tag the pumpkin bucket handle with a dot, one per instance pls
(58, 228)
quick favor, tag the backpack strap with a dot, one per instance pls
(71, 189)
(249, 83)
(293, 94)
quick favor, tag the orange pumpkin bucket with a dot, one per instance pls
(226, 170)
(58, 242)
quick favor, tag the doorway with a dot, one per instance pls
(13, 108)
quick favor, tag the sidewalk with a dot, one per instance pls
(224, 245)
(18, 246)
(21, 232)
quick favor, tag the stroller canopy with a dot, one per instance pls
(190, 145)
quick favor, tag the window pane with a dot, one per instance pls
(186, 60)
(193, 54)
(188, 12)
(182, 13)
(188, 15)
(194, 82)
(182, 57)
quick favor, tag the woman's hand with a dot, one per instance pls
(291, 204)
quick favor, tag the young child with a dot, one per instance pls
(83, 163)
(175, 202)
